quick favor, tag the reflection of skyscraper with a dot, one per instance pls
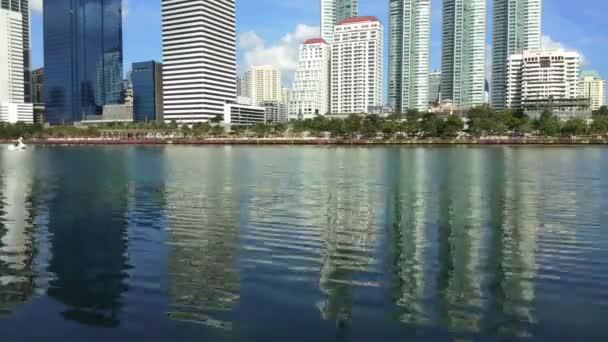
(83, 57)
(408, 234)
(88, 245)
(349, 236)
(203, 239)
(459, 242)
(16, 240)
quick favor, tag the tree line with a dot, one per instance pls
(482, 121)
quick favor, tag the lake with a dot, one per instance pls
(226, 243)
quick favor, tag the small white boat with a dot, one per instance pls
(17, 146)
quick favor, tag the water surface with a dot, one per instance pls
(303, 243)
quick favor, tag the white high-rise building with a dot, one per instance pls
(262, 83)
(12, 82)
(541, 76)
(516, 28)
(356, 65)
(593, 87)
(199, 55)
(310, 95)
(333, 12)
(409, 50)
(463, 52)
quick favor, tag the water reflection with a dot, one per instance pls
(306, 243)
(16, 230)
(203, 228)
(87, 223)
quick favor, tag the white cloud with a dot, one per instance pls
(546, 42)
(282, 55)
(36, 5)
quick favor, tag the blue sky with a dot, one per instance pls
(270, 30)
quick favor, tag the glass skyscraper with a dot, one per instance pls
(517, 28)
(83, 58)
(334, 11)
(147, 91)
(463, 52)
(409, 50)
(23, 7)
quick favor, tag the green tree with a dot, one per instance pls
(430, 125)
(353, 125)
(600, 125)
(217, 119)
(371, 125)
(603, 111)
(548, 124)
(575, 127)
(452, 127)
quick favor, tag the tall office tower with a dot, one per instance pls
(463, 52)
(409, 50)
(538, 77)
(435, 86)
(199, 58)
(517, 28)
(12, 106)
(310, 95)
(334, 11)
(593, 87)
(83, 58)
(38, 86)
(23, 8)
(356, 65)
(147, 79)
(262, 83)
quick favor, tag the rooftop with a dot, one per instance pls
(315, 41)
(361, 19)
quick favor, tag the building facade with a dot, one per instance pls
(147, 80)
(357, 65)
(463, 52)
(334, 11)
(239, 114)
(516, 28)
(199, 58)
(593, 87)
(23, 8)
(409, 50)
(541, 76)
(12, 95)
(262, 83)
(83, 58)
(276, 112)
(435, 87)
(310, 95)
(38, 86)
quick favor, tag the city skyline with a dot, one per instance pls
(580, 30)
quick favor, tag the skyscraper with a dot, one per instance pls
(356, 65)
(147, 78)
(463, 52)
(23, 8)
(12, 106)
(262, 83)
(334, 11)
(199, 58)
(310, 96)
(83, 58)
(517, 28)
(593, 87)
(435, 86)
(409, 49)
